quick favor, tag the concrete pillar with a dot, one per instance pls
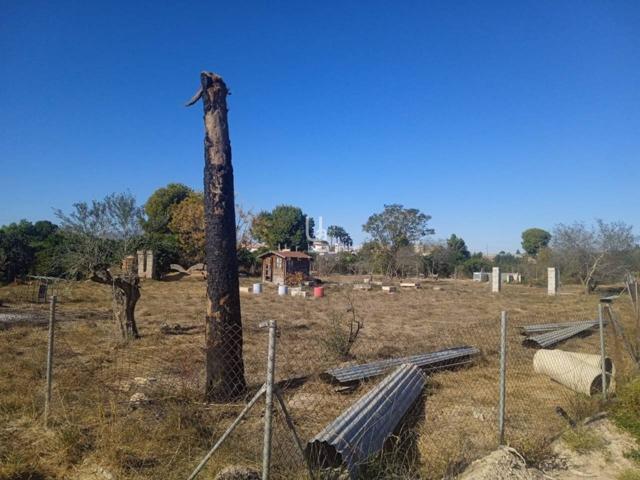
(496, 280)
(553, 281)
(151, 265)
(141, 263)
(129, 265)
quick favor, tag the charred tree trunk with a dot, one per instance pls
(126, 293)
(223, 333)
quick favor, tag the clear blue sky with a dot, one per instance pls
(490, 116)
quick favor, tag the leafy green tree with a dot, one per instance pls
(374, 257)
(340, 235)
(476, 263)
(159, 205)
(458, 248)
(440, 261)
(48, 243)
(17, 255)
(29, 248)
(284, 226)
(396, 227)
(346, 262)
(248, 261)
(506, 260)
(187, 223)
(534, 239)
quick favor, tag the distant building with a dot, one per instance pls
(254, 246)
(277, 266)
(320, 247)
(505, 277)
(423, 248)
(323, 247)
(481, 276)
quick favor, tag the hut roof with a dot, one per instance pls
(286, 254)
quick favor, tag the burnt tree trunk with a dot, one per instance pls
(223, 332)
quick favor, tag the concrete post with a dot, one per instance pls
(496, 280)
(553, 279)
(141, 263)
(151, 265)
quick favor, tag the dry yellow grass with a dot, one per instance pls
(94, 425)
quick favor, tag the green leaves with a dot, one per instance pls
(534, 240)
(283, 227)
(397, 226)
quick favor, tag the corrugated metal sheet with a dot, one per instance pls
(431, 361)
(362, 429)
(550, 327)
(548, 339)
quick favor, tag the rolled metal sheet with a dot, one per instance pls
(447, 358)
(361, 430)
(575, 371)
(595, 360)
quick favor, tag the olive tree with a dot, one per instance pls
(396, 227)
(592, 254)
(98, 235)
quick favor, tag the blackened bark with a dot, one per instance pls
(223, 334)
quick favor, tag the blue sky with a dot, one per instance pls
(490, 116)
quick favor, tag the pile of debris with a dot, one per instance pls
(197, 270)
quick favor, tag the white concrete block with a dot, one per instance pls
(496, 280)
(553, 280)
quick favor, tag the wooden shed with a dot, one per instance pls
(277, 266)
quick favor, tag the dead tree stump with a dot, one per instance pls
(126, 293)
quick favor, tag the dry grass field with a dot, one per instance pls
(96, 430)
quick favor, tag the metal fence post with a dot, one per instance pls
(503, 369)
(268, 412)
(602, 352)
(47, 394)
(227, 432)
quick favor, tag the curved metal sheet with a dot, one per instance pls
(449, 357)
(362, 429)
(550, 327)
(549, 339)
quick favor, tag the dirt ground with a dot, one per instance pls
(95, 424)
(606, 460)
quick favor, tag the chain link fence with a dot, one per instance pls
(137, 410)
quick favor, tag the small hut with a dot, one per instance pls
(277, 266)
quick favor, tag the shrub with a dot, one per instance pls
(344, 327)
(626, 410)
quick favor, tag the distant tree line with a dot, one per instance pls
(102, 232)
(30, 248)
(171, 223)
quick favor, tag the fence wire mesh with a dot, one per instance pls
(137, 410)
